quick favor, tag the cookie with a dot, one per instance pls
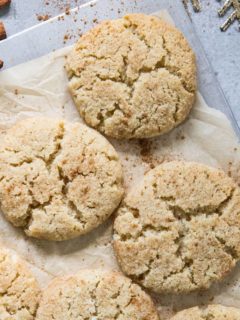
(213, 312)
(180, 229)
(133, 77)
(98, 295)
(58, 180)
(19, 290)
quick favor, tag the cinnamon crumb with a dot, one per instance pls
(65, 38)
(67, 11)
(43, 17)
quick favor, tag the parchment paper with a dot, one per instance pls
(39, 88)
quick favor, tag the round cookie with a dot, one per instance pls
(95, 294)
(213, 312)
(133, 77)
(19, 290)
(58, 180)
(180, 229)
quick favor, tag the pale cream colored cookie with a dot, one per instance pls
(58, 180)
(95, 294)
(180, 229)
(133, 77)
(19, 290)
(212, 312)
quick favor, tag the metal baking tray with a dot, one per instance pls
(49, 35)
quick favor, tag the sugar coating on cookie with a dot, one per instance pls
(58, 180)
(180, 229)
(98, 295)
(133, 77)
(19, 290)
(211, 312)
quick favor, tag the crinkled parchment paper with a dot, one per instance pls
(39, 88)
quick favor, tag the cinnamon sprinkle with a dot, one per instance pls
(43, 17)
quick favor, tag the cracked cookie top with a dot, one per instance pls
(58, 179)
(133, 77)
(180, 229)
(95, 294)
(212, 312)
(19, 290)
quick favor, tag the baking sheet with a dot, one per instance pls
(39, 88)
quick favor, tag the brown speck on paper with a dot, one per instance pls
(230, 169)
(65, 38)
(43, 17)
(62, 6)
(180, 136)
(67, 11)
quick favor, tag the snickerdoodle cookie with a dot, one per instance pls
(98, 295)
(133, 77)
(19, 290)
(58, 180)
(212, 312)
(180, 229)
